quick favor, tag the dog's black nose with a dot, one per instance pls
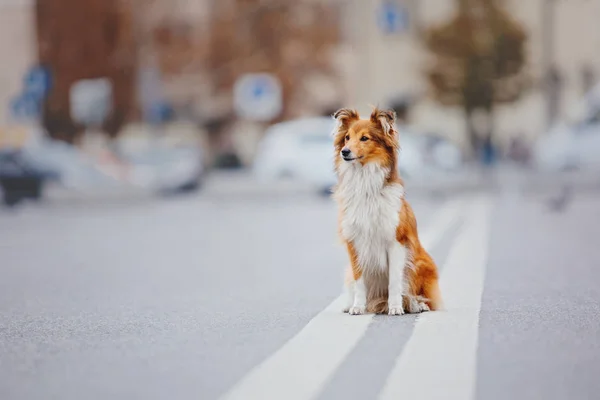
(345, 152)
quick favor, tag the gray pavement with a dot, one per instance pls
(183, 298)
(540, 320)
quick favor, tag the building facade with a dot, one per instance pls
(19, 51)
(333, 53)
(379, 66)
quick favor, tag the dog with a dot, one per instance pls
(390, 271)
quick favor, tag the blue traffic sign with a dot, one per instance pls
(259, 88)
(25, 107)
(258, 96)
(392, 17)
(37, 82)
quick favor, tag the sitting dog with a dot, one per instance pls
(389, 269)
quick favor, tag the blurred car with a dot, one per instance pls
(303, 149)
(571, 145)
(162, 159)
(422, 154)
(300, 149)
(72, 168)
(21, 177)
(150, 164)
(575, 142)
(166, 169)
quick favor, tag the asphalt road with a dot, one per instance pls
(209, 297)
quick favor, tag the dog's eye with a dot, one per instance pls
(364, 139)
(347, 137)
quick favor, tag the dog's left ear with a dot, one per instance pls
(385, 119)
(344, 116)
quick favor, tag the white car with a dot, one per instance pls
(422, 154)
(300, 149)
(156, 166)
(166, 169)
(570, 146)
(574, 143)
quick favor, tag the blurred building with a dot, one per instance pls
(184, 55)
(382, 65)
(19, 51)
(180, 58)
(79, 40)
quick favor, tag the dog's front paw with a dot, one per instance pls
(396, 310)
(356, 310)
(346, 309)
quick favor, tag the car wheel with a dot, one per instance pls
(190, 186)
(11, 198)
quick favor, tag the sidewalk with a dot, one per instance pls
(501, 178)
(507, 177)
(241, 184)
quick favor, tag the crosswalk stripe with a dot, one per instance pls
(300, 368)
(439, 359)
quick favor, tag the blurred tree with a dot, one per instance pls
(479, 62)
(289, 39)
(85, 40)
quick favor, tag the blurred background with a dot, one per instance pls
(165, 96)
(165, 172)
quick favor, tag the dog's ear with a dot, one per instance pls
(344, 116)
(385, 119)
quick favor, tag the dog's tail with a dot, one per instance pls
(433, 295)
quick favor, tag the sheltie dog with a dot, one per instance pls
(389, 270)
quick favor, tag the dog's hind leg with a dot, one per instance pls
(348, 289)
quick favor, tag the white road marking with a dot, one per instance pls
(300, 368)
(439, 360)
(448, 215)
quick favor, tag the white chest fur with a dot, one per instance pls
(370, 212)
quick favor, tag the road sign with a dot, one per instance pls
(392, 17)
(91, 101)
(25, 107)
(258, 97)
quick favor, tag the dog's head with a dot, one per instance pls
(365, 140)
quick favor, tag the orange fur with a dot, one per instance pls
(423, 278)
(354, 265)
(381, 147)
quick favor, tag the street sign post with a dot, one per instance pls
(258, 97)
(27, 105)
(392, 17)
(37, 82)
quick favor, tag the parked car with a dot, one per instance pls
(422, 154)
(303, 149)
(21, 177)
(300, 149)
(168, 160)
(166, 170)
(73, 169)
(574, 145)
(152, 165)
